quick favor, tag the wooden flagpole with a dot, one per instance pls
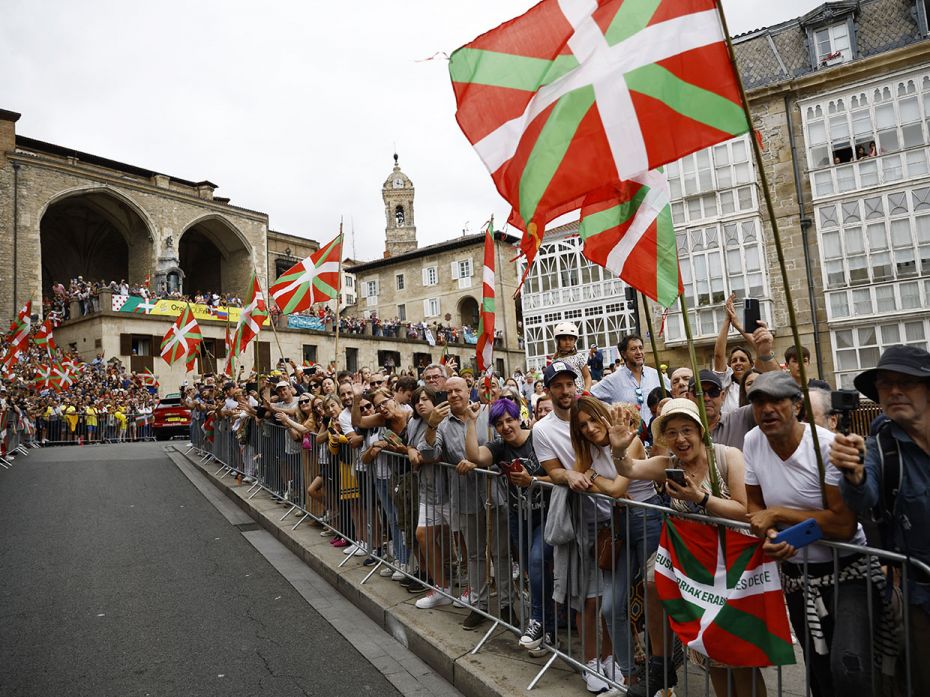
(338, 296)
(652, 341)
(776, 236)
(271, 320)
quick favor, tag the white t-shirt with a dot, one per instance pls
(795, 482)
(552, 440)
(603, 463)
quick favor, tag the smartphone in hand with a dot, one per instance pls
(752, 314)
(677, 476)
(442, 396)
(800, 535)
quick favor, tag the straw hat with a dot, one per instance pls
(675, 407)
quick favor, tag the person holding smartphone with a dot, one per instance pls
(685, 471)
(830, 615)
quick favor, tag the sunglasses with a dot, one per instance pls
(713, 391)
(366, 407)
(639, 395)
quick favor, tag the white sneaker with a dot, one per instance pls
(401, 573)
(361, 550)
(468, 598)
(610, 668)
(350, 550)
(434, 599)
(593, 681)
(386, 570)
(514, 571)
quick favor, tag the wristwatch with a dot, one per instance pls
(703, 503)
(594, 475)
(766, 359)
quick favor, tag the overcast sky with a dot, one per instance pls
(291, 110)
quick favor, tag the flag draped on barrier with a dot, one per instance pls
(722, 594)
(485, 347)
(183, 338)
(575, 95)
(315, 279)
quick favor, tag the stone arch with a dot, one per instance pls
(96, 232)
(214, 256)
(468, 312)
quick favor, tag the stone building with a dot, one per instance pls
(439, 283)
(855, 224)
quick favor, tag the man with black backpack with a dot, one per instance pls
(888, 476)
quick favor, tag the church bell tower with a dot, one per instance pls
(400, 235)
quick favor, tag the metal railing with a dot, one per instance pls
(17, 436)
(80, 428)
(475, 541)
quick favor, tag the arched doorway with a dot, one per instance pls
(468, 312)
(214, 258)
(97, 235)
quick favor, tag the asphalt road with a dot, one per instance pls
(117, 577)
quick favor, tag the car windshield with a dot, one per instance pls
(171, 400)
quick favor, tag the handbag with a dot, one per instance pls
(607, 547)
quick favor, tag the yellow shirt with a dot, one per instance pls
(91, 416)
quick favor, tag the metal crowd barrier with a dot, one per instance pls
(460, 537)
(84, 429)
(17, 436)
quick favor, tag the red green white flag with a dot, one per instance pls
(574, 95)
(44, 337)
(20, 329)
(182, 339)
(629, 232)
(722, 594)
(485, 347)
(251, 319)
(149, 379)
(315, 279)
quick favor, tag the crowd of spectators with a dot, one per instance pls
(615, 431)
(86, 293)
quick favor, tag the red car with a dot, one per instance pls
(171, 418)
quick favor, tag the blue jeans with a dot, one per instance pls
(536, 558)
(383, 487)
(640, 529)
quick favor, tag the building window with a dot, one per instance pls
(399, 281)
(862, 135)
(874, 240)
(699, 177)
(399, 217)
(832, 45)
(350, 280)
(281, 266)
(430, 276)
(309, 353)
(431, 307)
(461, 269)
(371, 289)
(858, 348)
(402, 313)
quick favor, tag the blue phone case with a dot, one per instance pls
(800, 535)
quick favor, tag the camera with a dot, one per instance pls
(844, 403)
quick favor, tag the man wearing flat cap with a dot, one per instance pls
(892, 480)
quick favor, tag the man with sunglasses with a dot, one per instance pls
(726, 429)
(633, 381)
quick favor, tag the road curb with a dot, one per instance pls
(434, 636)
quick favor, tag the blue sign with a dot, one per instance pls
(304, 322)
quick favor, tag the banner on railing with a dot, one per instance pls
(305, 322)
(133, 304)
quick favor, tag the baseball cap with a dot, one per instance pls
(909, 360)
(557, 368)
(706, 376)
(775, 384)
(282, 383)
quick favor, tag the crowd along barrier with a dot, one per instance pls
(17, 436)
(84, 429)
(471, 540)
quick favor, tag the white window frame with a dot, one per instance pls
(430, 276)
(836, 35)
(402, 312)
(371, 288)
(400, 281)
(866, 353)
(431, 307)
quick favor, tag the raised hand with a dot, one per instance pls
(622, 427)
(438, 414)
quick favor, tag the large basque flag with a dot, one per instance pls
(250, 319)
(722, 594)
(315, 279)
(183, 338)
(628, 230)
(574, 95)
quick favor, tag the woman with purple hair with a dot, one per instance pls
(514, 455)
